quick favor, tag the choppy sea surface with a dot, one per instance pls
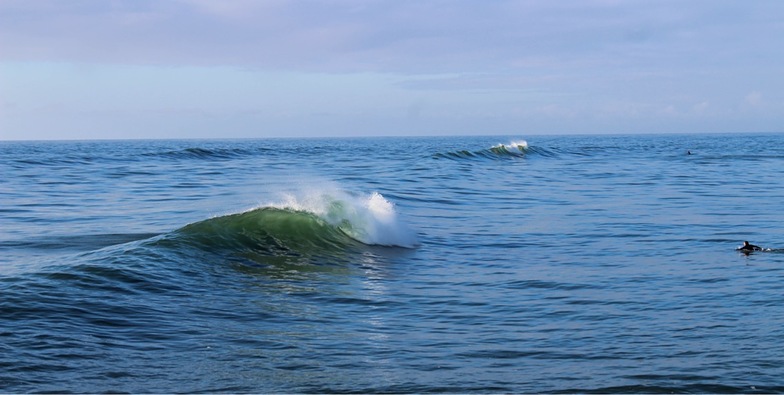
(395, 265)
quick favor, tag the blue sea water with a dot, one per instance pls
(395, 265)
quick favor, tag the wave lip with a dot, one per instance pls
(371, 220)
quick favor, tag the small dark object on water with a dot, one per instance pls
(747, 248)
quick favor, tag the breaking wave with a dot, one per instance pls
(300, 228)
(512, 150)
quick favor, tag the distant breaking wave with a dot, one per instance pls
(512, 150)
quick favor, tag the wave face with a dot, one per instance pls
(202, 153)
(271, 229)
(300, 228)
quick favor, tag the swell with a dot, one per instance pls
(512, 150)
(668, 388)
(132, 289)
(326, 227)
(86, 242)
(200, 153)
(91, 153)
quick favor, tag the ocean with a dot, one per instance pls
(492, 264)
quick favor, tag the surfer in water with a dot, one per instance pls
(747, 248)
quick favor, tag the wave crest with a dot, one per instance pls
(201, 153)
(371, 220)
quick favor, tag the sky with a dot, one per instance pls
(121, 69)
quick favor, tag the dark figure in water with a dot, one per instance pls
(746, 247)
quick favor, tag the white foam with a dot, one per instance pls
(519, 144)
(382, 224)
(514, 146)
(371, 219)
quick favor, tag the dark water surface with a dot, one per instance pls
(459, 264)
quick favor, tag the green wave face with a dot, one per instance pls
(268, 236)
(267, 228)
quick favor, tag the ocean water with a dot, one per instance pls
(449, 264)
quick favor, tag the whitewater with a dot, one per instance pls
(488, 264)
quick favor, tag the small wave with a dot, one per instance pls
(514, 148)
(86, 242)
(511, 150)
(670, 388)
(203, 153)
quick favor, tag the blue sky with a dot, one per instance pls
(86, 69)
